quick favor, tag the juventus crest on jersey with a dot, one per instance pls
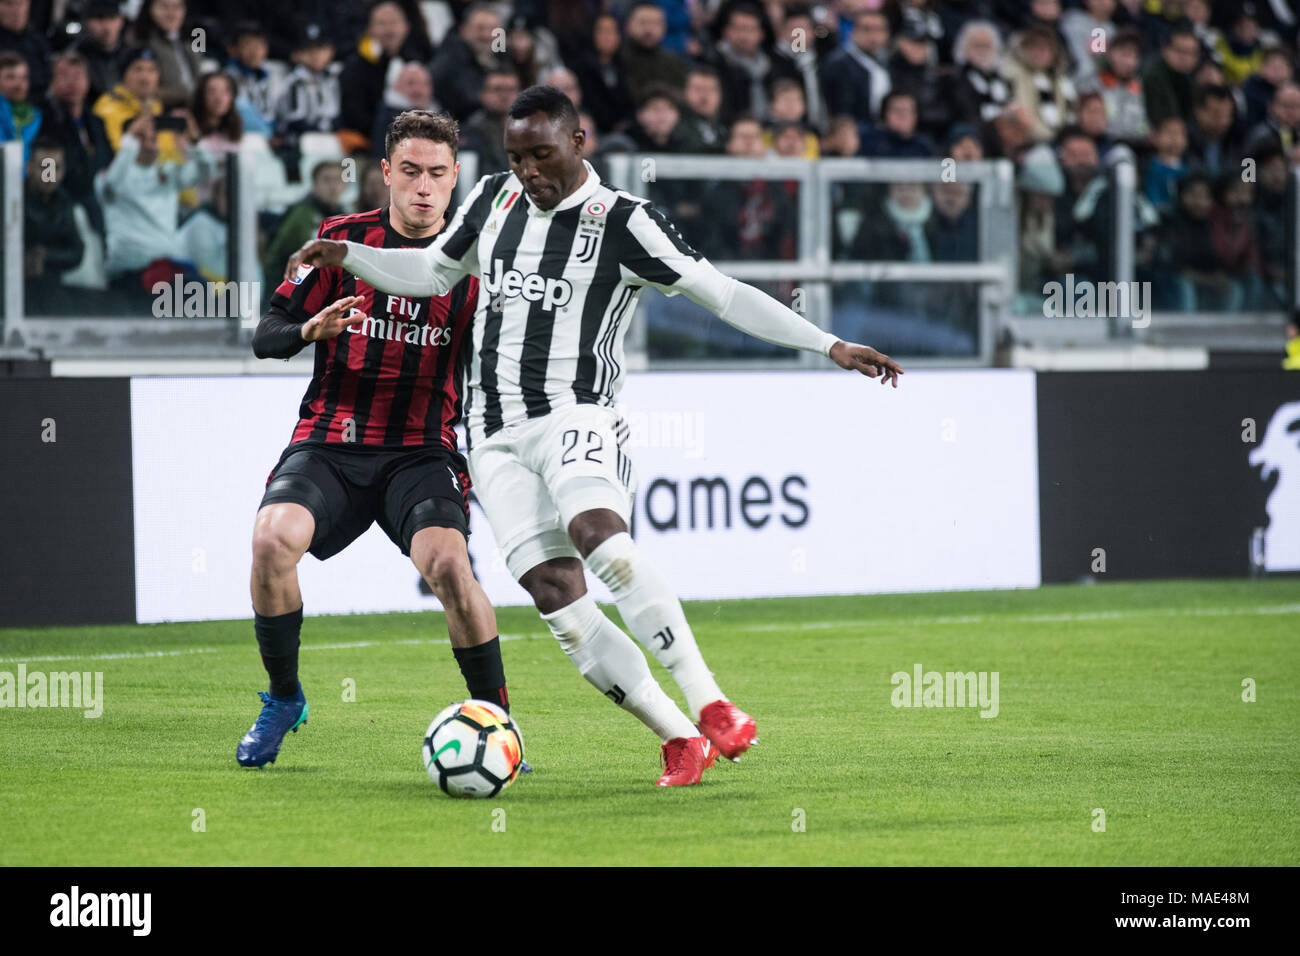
(557, 288)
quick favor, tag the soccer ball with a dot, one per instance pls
(473, 749)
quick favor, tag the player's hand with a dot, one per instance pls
(321, 253)
(865, 359)
(331, 320)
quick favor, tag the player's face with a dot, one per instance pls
(546, 156)
(420, 176)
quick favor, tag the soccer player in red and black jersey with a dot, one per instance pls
(375, 438)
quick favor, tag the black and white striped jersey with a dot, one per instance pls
(557, 288)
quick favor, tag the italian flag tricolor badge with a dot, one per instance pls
(505, 199)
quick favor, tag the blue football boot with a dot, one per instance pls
(279, 716)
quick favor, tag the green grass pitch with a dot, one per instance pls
(1121, 697)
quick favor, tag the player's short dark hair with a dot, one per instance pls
(544, 99)
(421, 124)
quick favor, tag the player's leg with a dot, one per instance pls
(424, 510)
(307, 506)
(591, 483)
(541, 557)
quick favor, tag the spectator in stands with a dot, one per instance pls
(912, 69)
(1232, 230)
(795, 57)
(963, 144)
(897, 136)
(1037, 70)
(980, 91)
(602, 78)
(748, 219)
(52, 244)
(1088, 32)
(464, 58)
(161, 28)
(1271, 224)
(700, 129)
(597, 146)
(657, 117)
(793, 140)
(531, 50)
(1121, 88)
(1167, 82)
(952, 231)
(411, 90)
(303, 218)
(1240, 50)
(1080, 214)
(204, 235)
(1198, 14)
(566, 81)
(1190, 277)
(387, 44)
(643, 58)
(140, 192)
(786, 106)
(855, 78)
(257, 84)
(1167, 166)
(69, 122)
(137, 94)
(740, 61)
(1091, 117)
(485, 131)
(1008, 136)
(216, 117)
(1275, 70)
(1212, 145)
(842, 137)
(20, 118)
(312, 100)
(102, 44)
(19, 35)
(1041, 183)
(374, 191)
(1282, 125)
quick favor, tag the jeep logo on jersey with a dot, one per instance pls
(552, 293)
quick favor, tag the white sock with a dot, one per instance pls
(616, 667)
(654, 616)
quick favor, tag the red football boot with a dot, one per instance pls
(728, 727)
(683, 761)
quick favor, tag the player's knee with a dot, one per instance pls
(276, 548)
(554, 584)
(593, 528)
(450, 577)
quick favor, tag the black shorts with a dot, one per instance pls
(346, 489)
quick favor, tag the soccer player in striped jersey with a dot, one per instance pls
(375, 438)
(562, 258)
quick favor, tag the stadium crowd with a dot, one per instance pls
(126, 110)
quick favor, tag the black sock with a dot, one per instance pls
(277, 639)
(485, 675)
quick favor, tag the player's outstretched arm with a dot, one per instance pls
(758, 314)
(409, 272)
(655, 252)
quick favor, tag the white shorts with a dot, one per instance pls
(534, 477)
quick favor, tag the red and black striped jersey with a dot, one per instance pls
(395, 377)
